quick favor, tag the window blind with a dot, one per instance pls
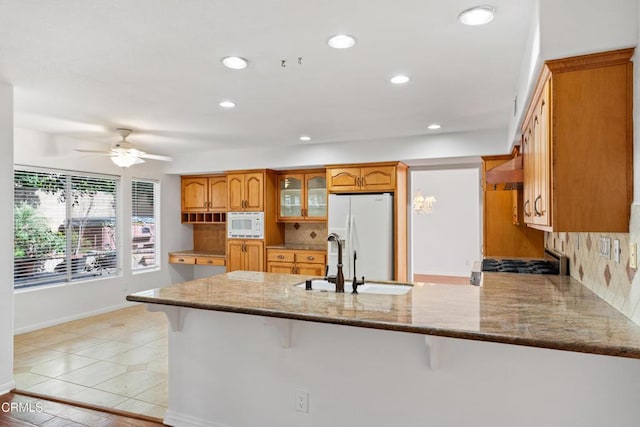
(65, 227)
(143, 224)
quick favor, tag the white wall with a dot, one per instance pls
(413, 150)
(374, 378)
(560, 29)
(447, 240)
(6, 238)
(45, 306)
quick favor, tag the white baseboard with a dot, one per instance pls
(177, 419)
(65, 319)
(7, 387)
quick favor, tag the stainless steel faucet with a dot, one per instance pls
(338, 279)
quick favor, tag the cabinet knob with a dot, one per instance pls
(526, 212)
(311, 258)
(180, 259)
(280, 256)
(209, 262)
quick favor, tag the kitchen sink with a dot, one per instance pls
(368, 288)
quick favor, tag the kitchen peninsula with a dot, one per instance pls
(248, 348)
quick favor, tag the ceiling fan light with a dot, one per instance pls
(125, 160)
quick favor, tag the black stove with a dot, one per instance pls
(551, 264)
(520, 266)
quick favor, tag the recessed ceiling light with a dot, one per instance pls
(341, 41)
(434, 126)
(399, 79)
(227, 104)
(478, 15)
(235, 62)
(305, 138)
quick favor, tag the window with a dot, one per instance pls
(65, 226)
(143, 224)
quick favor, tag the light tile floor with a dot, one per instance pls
(117, 360)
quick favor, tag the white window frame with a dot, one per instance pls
(156, 232)
(68, 279)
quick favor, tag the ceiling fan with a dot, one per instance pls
(124, 154)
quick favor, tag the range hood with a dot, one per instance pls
(507, 176)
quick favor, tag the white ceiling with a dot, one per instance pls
(81, 68)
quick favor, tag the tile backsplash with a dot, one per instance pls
(616, 283)
(305, 233)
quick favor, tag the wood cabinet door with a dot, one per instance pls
(280, 267)
(529, 175)
(291, 197)
(315, 196)
(218, 194)
(254, 255)
(343, 179)
(541, 202)
(194, 194)
(235, 192)
(254, 192)
(235, 255)
(378, 178)
(310, 269)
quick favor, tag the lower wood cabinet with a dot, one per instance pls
(291, 261)
(245, 255)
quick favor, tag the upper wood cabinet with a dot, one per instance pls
(376, 177)
(577, 145)
(302, 196)
(202, 195)
(245, 191)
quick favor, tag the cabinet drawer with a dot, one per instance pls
(210, 260)
(182, 259)
(310, 257)
(280, 255)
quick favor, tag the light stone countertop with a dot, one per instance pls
(547, 311)
(191, 252)
(299, 247)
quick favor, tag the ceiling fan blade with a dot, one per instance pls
(155, 157)
(91, 151)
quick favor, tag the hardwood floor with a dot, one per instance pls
(18, 410)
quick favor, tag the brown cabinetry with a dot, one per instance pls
(302, 196)
(196, 259)
(245, 191)
(577, 145)
(203, 199)
(374, 178)
(296, 261)
(387, 177)
(504, 234)
(245, 255)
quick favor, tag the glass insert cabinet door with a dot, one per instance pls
(291, 196)
(316, 196)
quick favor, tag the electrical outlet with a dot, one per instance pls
(605, 247)
(302, 401)
(633, 255)
(616, 251)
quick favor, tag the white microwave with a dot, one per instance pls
(245, 225)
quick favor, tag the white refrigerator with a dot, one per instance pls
(364, 223)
